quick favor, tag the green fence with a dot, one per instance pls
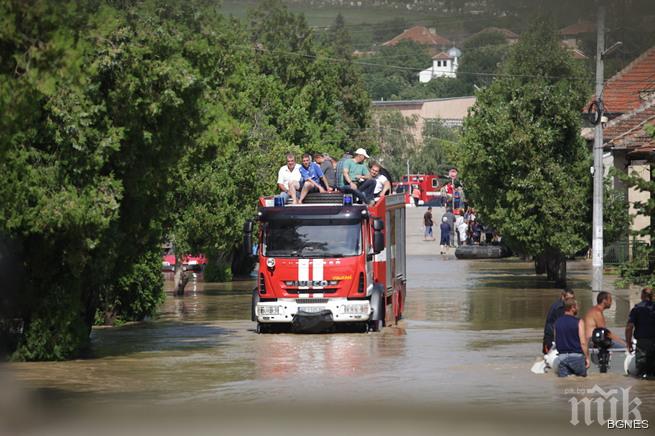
(622, 251)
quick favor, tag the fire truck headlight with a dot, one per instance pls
(355, 309)
(270, 262)
(333, 282)
(269, 310)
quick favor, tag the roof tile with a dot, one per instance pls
(630, 87)
(579, 28)
(420, 35)
(628, 130)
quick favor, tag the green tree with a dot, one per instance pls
(276, 104)
(319, 100)
(482, 55)
(126, 123)
(438, 145)
(439, 87)
(57, 202)
(523, 158)
(394, 69)
(616, 215)
(395, 134)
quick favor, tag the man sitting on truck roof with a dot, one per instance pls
(327, 164)
(380, 188)
(311, 177)
(356, 176)
(288, 179)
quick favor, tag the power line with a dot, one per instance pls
(416, 70)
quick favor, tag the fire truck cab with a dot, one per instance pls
(329, 262)
(429, 184)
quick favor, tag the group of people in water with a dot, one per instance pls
(572, 336)
(322, 173)
(459, 227)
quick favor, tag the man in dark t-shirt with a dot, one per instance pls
(641, 321)
(556, 310)
(572, 348)
(328, 166)
(427, 222)
(445, 234)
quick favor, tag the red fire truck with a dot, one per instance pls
(429, 184)
(329, 262)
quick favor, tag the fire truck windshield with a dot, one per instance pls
(312, 238)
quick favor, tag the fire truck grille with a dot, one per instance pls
(311, 300)
(307, 291)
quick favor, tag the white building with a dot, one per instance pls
(443, 65)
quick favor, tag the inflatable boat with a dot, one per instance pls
(619, 359)
(481, 252)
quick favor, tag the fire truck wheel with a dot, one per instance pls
(255, 300)
(262, 328)
(375, 326)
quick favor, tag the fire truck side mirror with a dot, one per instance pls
(247, 236)
(378, 236)
(248, 226)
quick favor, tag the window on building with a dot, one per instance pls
(438, 63)
(445, 63)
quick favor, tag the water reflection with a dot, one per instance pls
(292, 356)
(471, 332)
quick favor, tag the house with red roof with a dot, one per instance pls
(510, 37)
(444, 64)
(420, 35)
(572, 34)
(629, 100)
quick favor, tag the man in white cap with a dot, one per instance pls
(356, 174)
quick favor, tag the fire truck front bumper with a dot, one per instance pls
(340, 310)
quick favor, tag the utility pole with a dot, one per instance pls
(408, 181)
(597, 236)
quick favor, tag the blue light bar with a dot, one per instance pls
(347, 200)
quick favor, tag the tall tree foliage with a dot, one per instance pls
(394, 69)
(126, 123)
(523, 158)
(395, 134)
(481, 58)
(438, 145)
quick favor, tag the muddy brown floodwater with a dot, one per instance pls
(471, 332)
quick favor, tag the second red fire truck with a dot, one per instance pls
(429, 184)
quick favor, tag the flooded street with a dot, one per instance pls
(471, 332)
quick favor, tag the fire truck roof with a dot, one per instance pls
(314, 212)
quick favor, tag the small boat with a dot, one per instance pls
(481, 252)
(622, 360)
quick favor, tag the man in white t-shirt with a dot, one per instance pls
(288, 180)
(382, 185)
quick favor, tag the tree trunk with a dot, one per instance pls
(539, 265)
(556, 268)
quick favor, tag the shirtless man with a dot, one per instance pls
(594, 317)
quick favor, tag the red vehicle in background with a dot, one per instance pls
(429, 184)
(328, 263)
(190, 262)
